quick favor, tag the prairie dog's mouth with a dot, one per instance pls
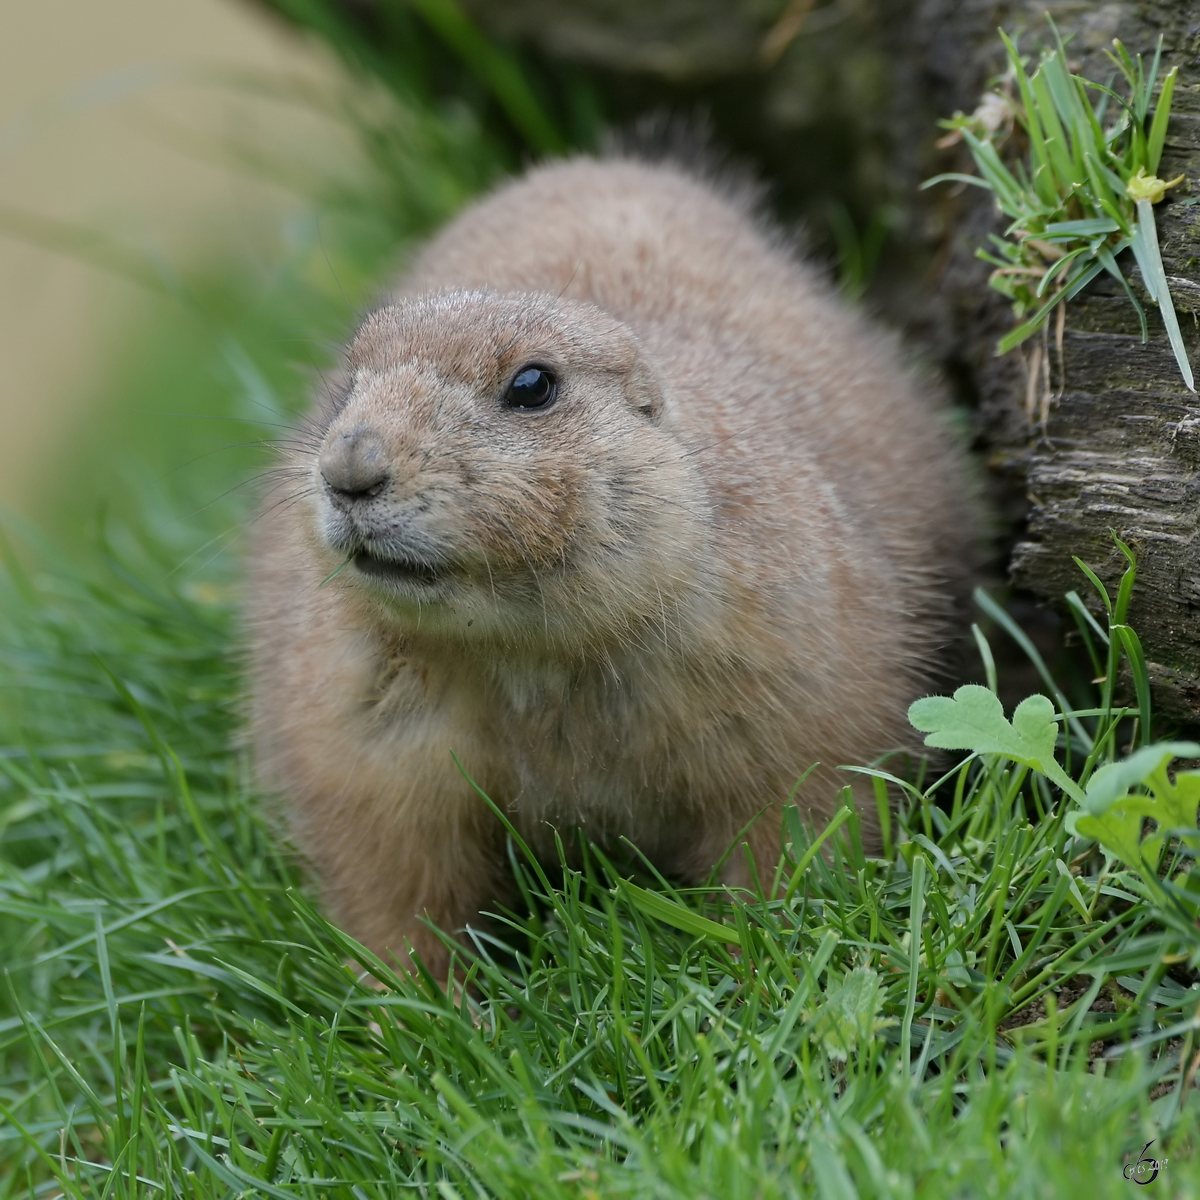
(395, 570)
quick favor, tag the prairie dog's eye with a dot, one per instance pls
(532, 387)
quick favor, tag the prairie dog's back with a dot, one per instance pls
(775, 375)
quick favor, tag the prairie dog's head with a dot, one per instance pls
(504, 466)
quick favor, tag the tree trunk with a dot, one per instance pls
(836, 101)
(1120, 449)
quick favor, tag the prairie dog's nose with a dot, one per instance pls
(355, 463)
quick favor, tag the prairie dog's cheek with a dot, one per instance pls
(528, 516)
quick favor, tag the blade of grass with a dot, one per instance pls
(499, 70)
(1158, 128)
(916, 919)
(1145, 248)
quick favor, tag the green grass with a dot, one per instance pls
(995, 1006)
(1086, 192)
(177, 1019)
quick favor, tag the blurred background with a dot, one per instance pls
(196, 200)
(113, 188)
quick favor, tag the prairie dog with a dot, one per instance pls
(633, 516)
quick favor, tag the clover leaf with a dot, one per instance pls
(973, 719)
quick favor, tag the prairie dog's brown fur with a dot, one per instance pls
(720, 555)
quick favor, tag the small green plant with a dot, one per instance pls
(1114, 814)
(1114, 799)
(1086, 193)
(973, 719)
(1111, 811)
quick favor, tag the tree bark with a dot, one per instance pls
(1120, 450)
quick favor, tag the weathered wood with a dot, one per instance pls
(1121, 448)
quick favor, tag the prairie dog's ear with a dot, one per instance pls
(614, 347)
(645, 388)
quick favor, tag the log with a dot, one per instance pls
(1120, 450)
